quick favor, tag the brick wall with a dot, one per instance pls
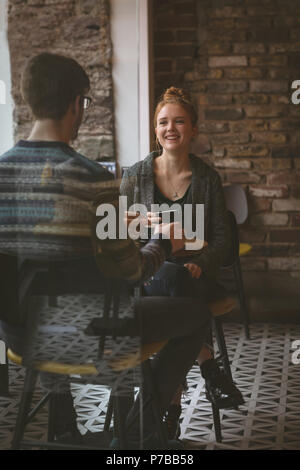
(77, 28)
(241, 58)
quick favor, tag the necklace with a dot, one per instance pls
(176, 195)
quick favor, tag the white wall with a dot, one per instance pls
(125, 79)
(6, 118)
(130, 73)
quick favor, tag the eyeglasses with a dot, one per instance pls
(86, 102)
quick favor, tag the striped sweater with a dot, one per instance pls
(49, 194)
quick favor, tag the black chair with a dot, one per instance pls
(32, 284)
(233, 263)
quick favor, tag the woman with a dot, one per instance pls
(174, 175)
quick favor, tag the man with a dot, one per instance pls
(48, 199)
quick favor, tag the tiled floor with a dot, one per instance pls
(262, 369)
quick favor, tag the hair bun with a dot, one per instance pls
(178, 93)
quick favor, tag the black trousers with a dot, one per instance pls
(179, 321)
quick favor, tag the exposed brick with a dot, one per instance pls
(164, 37)
(269, 60)
(214, 127)
(283, 178)
(281, 152)
(266, 164)
(253, 23)
(227, 61)
(249, 48)
(247, 151)
(226, 35)
(270, 35)
(218, 152)
(227, 86)
(174, 50)
(224, 114)
(245, 72)
(251, 98)
(185, 7)
(249, 125)
(253, 235)
(218, 48)
(227, 23)
(262, 11)
(284, 124)
(295, 190)
(279, 73)
(258, 204)
(266, 111)
(269, 137)
(279, 99)
(163, 65)
(287, 236)
(286, 205)
(226, 12)
(215, 74)
(215, 99)
(238, 138)
(239, 177)
(269, 219)
(232, 163)
(187, 36)
(184, 63)
(270, 250)
(285, 47)
(267, 86)
(295, 219)
(284, 264)
(253, 264)
(201, 144)
(269, 191)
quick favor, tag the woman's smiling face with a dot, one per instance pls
(174, 128)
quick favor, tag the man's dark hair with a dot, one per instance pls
(50, 82)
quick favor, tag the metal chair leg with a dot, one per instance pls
(222, 346)
(29, 386)
(4, 378)
(241, 295)
(147, 372)
(51, 424)
(217, 422)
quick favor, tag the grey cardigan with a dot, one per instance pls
(206, 188)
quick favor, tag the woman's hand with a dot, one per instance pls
(149, 220)
(194, 270)
(174, 232)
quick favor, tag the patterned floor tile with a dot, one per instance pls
(261, 368)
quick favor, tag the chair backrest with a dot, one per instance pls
(236, 202)
(233, 252)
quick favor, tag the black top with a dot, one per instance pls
(160, 198)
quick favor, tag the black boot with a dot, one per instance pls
(172, 421)
(220, 390)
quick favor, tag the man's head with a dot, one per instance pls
(51, 84)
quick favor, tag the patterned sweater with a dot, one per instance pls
(48, 199)
(206, 188)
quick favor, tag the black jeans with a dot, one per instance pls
(178, 320)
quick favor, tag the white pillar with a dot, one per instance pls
(6, 102)
(130, 73)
